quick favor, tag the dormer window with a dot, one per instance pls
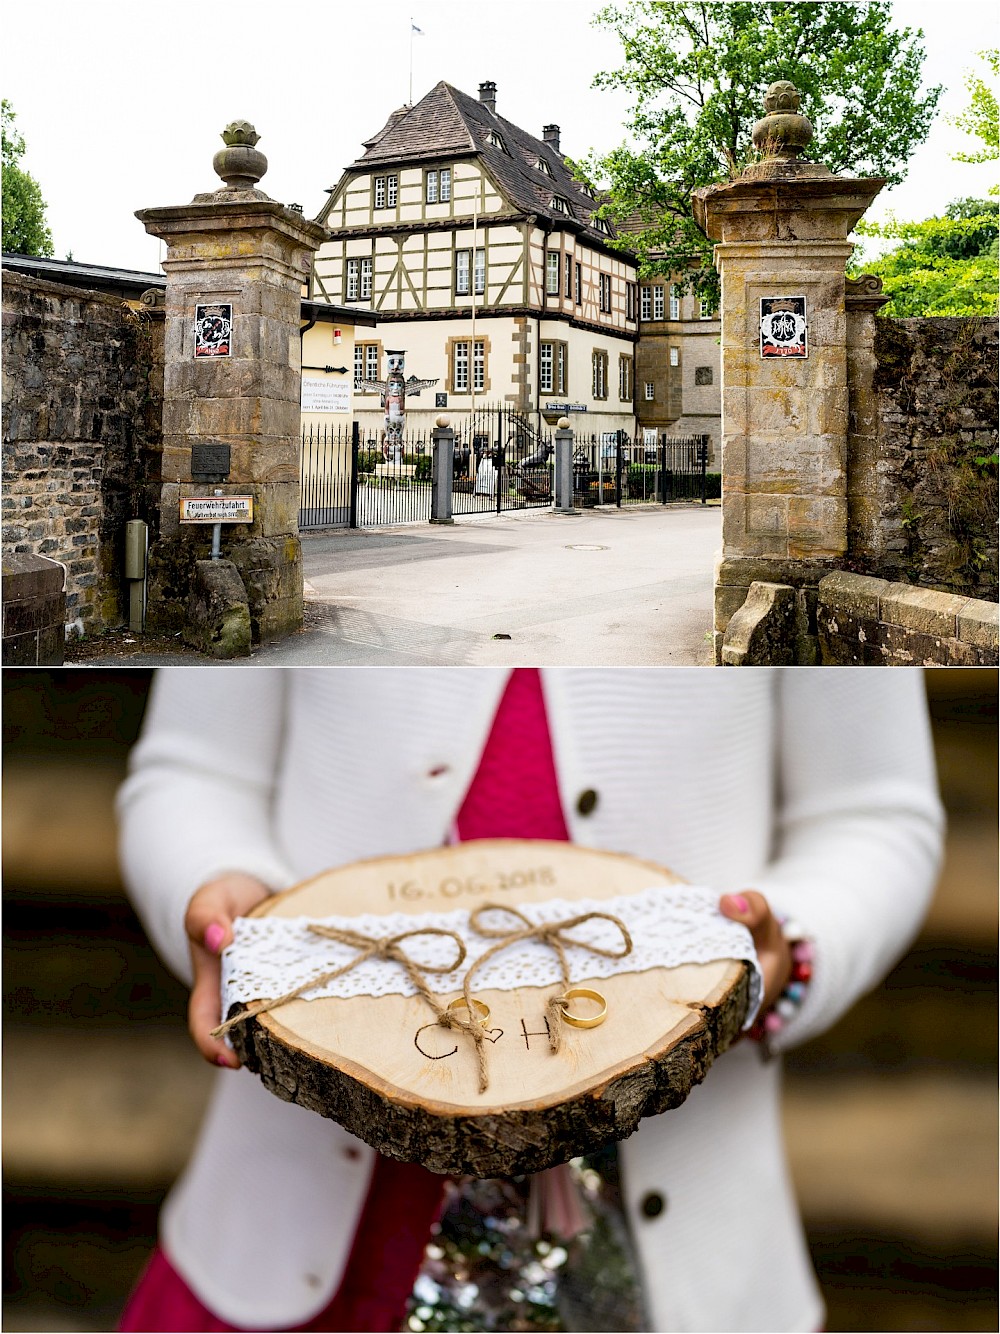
(561, 205)
(601, 225)
(496, 141)
(543, 167)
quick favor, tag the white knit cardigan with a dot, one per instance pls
(814, 786)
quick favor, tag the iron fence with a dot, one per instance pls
(502, 461)
(618, 469)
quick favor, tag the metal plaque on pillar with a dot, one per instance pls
(783, 326)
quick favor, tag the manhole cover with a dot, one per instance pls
(585, 546)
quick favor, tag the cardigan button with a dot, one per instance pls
(653, 1204)
(586, 802)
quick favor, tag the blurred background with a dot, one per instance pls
(891, 1117)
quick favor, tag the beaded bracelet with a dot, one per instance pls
(768, 1026)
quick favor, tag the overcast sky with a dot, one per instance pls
(121, 101)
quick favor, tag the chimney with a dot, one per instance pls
(488, 95)
(550, 135)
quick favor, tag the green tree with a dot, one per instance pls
(943, 266)
(698, 71)
(24, 227)
(980, 117)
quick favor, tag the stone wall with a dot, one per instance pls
(34, 611)
(872, 622)
(82, 385)
(923, 497)
(860, 621)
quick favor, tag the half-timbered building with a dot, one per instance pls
(480, 255)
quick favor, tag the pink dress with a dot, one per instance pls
(514, 794)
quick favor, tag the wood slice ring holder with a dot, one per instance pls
(383, 1069)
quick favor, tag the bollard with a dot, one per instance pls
(564, 467)
(442, 470)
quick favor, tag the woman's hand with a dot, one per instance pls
(209, 926)
(773, 950)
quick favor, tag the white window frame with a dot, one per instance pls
(568, 278)
(624, 378)
(444, 183)
(546, 367)
(463, 273)
(366, 279)
(675, 356)
(391, 191)
(552, 273)
(366, 358)
(646, 302)
(675, 302)
(379, 192)
(650, 391)
(578, 283)
(561, 378)
(464, 261)
(352, 285)
(431, 186)
(605, 293)
(460, 370)
(599, 374)
(658, 302)
(706, 311)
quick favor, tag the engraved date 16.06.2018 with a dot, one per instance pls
(470, 886)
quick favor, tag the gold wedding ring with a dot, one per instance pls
(582, 993)
(480, 1007)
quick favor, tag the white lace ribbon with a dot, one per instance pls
(670, 925)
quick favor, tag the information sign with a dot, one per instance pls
(325, 395)
(216, 509)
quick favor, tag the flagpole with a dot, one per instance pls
(410, 99)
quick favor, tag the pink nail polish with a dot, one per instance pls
(742, 904)
(214, 936)
(221, 1060)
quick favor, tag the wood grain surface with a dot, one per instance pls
(384, 1069)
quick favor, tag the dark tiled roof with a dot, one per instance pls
(90, 277)
(448, 122)
(130, 283)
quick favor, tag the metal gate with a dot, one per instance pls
(617, 469)
(502, 462)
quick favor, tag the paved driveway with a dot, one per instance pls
(609, 587)
(629, 587)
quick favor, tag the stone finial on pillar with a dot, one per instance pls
(783, 132)
(240, 164)
(781, 230)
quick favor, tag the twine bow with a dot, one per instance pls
(553, 934)
(472, 1023)
(389, 948)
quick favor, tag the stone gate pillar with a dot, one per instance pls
(781, 231)
(236, 262)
